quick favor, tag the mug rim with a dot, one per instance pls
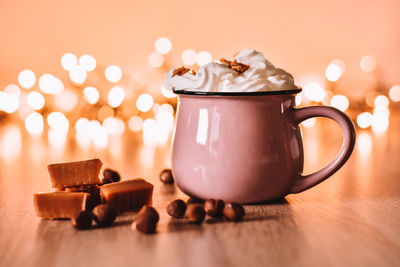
(284, 92)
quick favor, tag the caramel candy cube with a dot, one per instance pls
(57, 205)
(75, 173)
(127, 195)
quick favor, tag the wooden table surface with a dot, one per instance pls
(352, 219)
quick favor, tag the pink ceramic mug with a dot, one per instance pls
(247, 147)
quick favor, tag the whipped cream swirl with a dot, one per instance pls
(217, 77)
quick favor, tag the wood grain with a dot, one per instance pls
(352, 219)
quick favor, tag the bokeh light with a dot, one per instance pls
(364, 120)
(12, 89)
(149, 132)
(98, 134)
(163, 45)
(26, 79)
(333, 72)
(91, 95)
(68, 61)
(82, 125)
(380, 122)
(66, 101)
(156, 60)
(87, 62)
(10, 143)
(113, 73)
(114, 126)
(49, 84)
(340, 102)
(394, 93)
(144, 102)
(9, 103)
(35, 100)
(368, 63)
(58, 121)
(381, 101)
(78, 75)
(364, 144)
(189, 57)
(203, 57)
(34, 124)
(309, 123)
(135, 123)
(314, 92)
(115, 96)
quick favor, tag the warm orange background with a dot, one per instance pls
(300, 36)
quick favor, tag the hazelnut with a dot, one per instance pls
(195, 213)
(146, 220)
(104, 215)
(176, 208)
(214, 207)
(166, 176)
(83, 220)
(233, 212)
(111, 175)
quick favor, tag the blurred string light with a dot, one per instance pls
(88, 132)
(114, 126)
(144, 102)
(203, 57)
(394, 93)
(189, 57)
(91, 95)
(156, 60)
(10, 143)
(9, 103)
(364, 120)
(368, 63)
(56, 138)
(115, 96)
(26, 79)
(381, 101)
(12, 89)
(163, 45)
(78, 75)
(98, 134)
(309, 123)
(87, 62)
(314, 92)
(380, 122)
(335, 70)
(340, 102)
(69, 61)
(113, 73)
(58, 121)
(66, 100)
(135, 123)
(34, 124)
(167, 93)
(149, 132)
(364, 143)
(49, 84)
(35, 100)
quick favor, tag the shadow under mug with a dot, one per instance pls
(247, 147)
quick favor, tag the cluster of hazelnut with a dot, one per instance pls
(194, 210)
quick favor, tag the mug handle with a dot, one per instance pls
(305, 182)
